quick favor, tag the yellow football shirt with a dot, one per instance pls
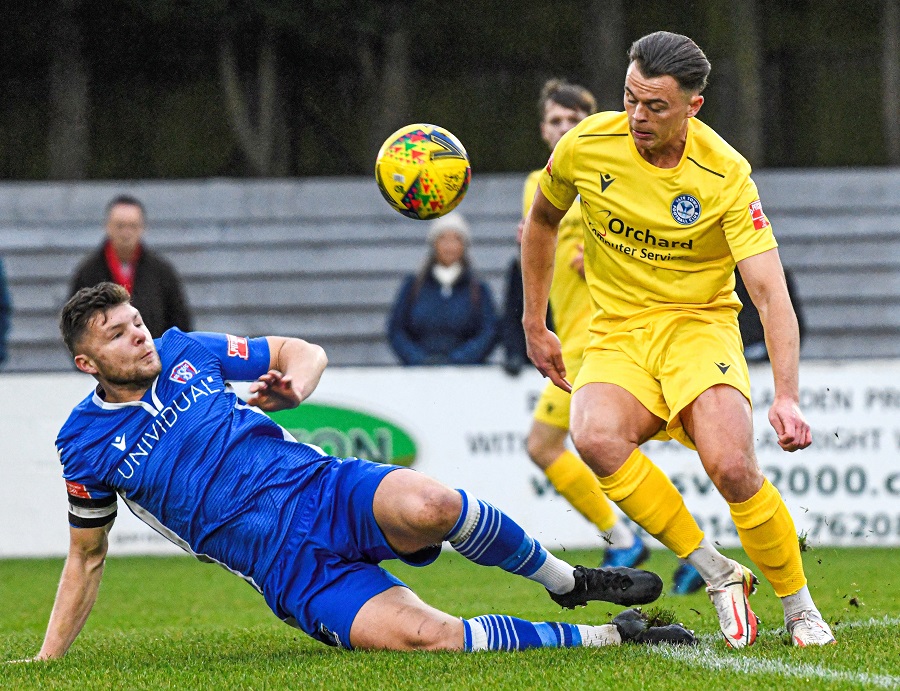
(657, 237)
(570, 300)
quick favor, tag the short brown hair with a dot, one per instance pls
(567, 95)
(127, 200)
(82, 307)
(663, 54)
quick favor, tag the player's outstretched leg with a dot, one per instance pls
(398, 620)
(725, 443)
(501, 632)
(608, 443)
(768, 535)
(650, 499)
(414, 512)
(487, 536)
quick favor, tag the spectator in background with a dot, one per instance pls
(444, 315)
(512, 335)
(155, 287)
(749, 322)
(5, 314)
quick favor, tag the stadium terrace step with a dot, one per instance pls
(333, 255)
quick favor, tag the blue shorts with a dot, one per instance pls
(329, 569)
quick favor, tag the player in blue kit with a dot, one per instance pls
(163, 432)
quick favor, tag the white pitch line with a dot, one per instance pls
(872, 622)
(710, 659)
(704, 657)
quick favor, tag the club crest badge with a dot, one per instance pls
(685, 209)
(183, 372)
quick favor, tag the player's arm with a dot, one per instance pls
(295, 367)
(764, 278)
(77, 589)
(538, 249)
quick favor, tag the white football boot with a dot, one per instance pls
(808, 628)
(737, 621)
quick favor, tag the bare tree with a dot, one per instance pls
(604, 51)
(746, 48)
(388, 76)
(891, 79)
(68, 136)
(256, 112)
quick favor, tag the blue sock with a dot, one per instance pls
(501, 632)
(485, 535)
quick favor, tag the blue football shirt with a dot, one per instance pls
(208, 472)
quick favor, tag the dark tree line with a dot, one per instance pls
(195, 88)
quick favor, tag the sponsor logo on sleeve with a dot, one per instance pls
(549, 168)
(238, 347)
(76, 489)
(183, 372)
(756, 214)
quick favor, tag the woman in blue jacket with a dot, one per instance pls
(444, 315)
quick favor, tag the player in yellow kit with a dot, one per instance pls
(562, 106)
(668, 209)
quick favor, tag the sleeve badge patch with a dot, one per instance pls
(238, 347)
(758, 217)
(549, 168)
(76, 489)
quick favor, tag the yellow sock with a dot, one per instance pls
(650, 499)
(769, 537)
(578, 484)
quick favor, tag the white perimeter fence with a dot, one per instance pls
(468, 426)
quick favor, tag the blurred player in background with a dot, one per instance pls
(163, 432)
(668, 209)
(562, 106)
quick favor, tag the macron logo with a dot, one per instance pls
(119, 443)
(605, 181)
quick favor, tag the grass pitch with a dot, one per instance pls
(174, 623)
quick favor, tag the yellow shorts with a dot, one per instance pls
(668, 359)
(553, 406)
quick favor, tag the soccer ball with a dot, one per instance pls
(422, 171)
